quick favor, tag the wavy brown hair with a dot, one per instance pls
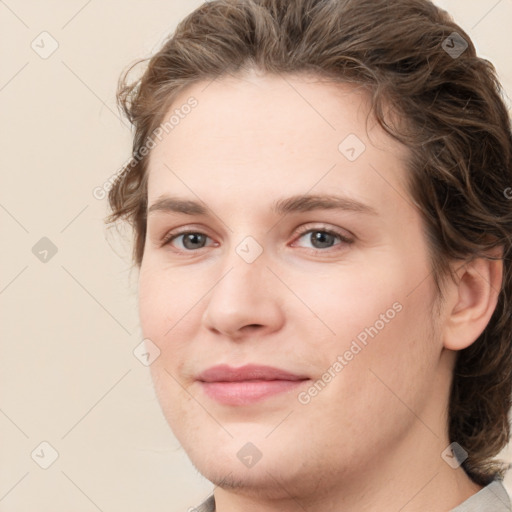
(452, 117)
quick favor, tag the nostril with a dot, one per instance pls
(252, 327)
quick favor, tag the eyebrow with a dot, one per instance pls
(293, 204)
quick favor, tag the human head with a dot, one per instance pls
(447, 111)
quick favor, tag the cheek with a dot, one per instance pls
(163, 300)
(388, 359)
(360, 299)
(371, 398)
(382, 323)
(149, 296)
(170, 316)
(162, 303)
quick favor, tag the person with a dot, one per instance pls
(322, 230)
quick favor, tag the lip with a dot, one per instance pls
(225, 373)
(247, 384)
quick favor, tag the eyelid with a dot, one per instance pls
(168, 237)
(347, 238)
(328, 251)
(315, 226)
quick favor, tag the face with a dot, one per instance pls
(333, 289)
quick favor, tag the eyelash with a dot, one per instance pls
(344, 239)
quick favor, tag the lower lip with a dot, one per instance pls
(247, 392)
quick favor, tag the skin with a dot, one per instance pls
(372, 438)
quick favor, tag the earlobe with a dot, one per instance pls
(475, 295)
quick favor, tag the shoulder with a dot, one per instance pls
(207, 506)
(492, 498)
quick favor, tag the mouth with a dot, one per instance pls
(247, 384)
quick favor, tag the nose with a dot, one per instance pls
(245, 301)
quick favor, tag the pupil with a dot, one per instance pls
(193, 238)
(320, 236)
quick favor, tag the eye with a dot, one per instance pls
(321, 238)
(191, 240)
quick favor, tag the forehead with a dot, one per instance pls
(254, 132)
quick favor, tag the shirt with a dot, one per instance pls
(492, 498)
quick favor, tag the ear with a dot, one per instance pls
(472, 300)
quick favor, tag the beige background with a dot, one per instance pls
(68, 375)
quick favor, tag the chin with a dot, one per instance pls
(269, 476)
(254, 482)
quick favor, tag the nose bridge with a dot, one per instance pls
(242, 295)
(244, 274)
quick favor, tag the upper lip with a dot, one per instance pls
(225, 373)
